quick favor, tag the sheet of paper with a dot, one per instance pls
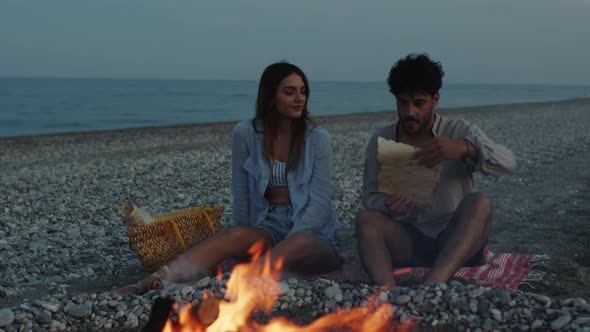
(400, 173)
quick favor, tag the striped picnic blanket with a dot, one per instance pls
(506, 270)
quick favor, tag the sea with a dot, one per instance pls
(36, 106)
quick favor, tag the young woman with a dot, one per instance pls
(281, 186)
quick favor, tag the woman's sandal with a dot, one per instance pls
(156, 280)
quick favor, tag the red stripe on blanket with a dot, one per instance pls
(500, 270)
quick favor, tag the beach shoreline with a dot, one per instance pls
(61, 197)
(223, 125)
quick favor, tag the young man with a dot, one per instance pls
(391, 231)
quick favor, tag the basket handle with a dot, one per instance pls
(171, 226)
(209, 221)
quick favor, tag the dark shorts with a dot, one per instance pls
(426, 249)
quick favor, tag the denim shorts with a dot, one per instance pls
(278, 222)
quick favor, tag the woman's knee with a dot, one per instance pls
(301, 244)
(245, 235)
(302, 249)
(300, 241)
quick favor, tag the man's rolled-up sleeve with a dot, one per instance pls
(492, 159)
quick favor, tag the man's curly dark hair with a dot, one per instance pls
(415, 73)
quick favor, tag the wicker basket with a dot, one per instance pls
(158, 243)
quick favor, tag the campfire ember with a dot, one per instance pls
(252, 290)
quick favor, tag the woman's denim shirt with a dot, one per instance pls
(310, 185)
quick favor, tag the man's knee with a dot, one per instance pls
(480, 205)
(369, 222)
(479, 202)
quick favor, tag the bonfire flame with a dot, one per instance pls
(253, 288)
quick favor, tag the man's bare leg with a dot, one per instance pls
(464, 236)
(382, 242)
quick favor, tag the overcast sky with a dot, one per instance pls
(496, 41)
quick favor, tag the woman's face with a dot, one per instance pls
(290, 98)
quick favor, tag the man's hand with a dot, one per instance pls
(439, 149)
(400, 204)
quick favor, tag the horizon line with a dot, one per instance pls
(256, 80)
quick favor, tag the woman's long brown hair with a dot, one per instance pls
(267, 112)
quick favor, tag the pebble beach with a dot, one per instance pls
(64, 246)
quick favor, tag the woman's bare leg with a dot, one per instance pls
(232, 242)
(306, 254)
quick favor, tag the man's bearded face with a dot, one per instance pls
(415, 111)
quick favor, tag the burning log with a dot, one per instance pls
(208, 310)
(159, 315)
(202, 314)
